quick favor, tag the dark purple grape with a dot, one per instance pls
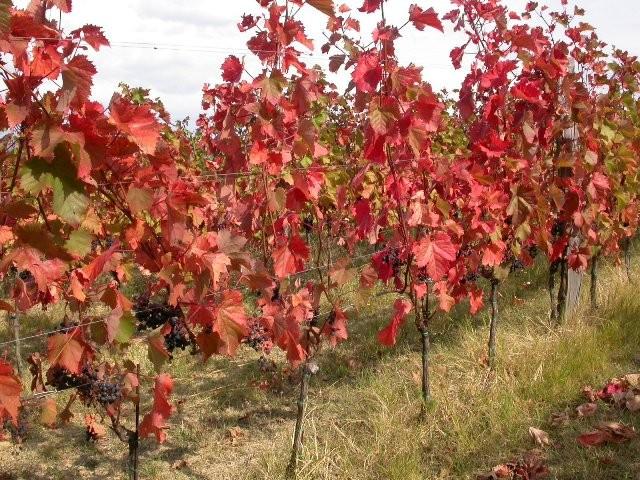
(258, 338)
(153, 315)
(558, 228)
(61, 379)
(177, 337)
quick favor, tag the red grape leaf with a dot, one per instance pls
(336, 328)
(137, 121)
(49, 413)
(68, 350)
(421, 18)
(593, 438)
(271, 87)
(231, 322)
(493, 254)
(290, 257)
(225, 325)
(231, 69)
(139, 199)
(340, 274)
(157, 353)
(476, 300)
(368, 72)
(436, 253)
(10, 390)
(7, 307)
(112, 323)
(92, 271)
(63, 5)
(335, 62)
(370, 6)
(154, 422)
(325, 6)
(93, 35)
(77, 78)
(94, 429)
(388, 335)
(217, 264)
(229, 242)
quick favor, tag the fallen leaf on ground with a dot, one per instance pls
(94, 430)
(620, 432)
(484, 360)
(539, 436)
(559, 419)
(532, 466)
(234, 433)
(517, 300)
(607, 432)
(587, 409)
(593, 438)
(633, 404)
(499, 471)
(633, 380)
(589, 393)
(353, 364)
(612, 390)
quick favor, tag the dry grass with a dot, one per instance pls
(363, 421)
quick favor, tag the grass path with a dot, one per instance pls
(364, 405)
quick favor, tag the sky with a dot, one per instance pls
(173, 47)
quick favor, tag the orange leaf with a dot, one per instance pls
(154, 422)
(10, 390)
(68, 350)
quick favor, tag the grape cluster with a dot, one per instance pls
(516, 265)
(307, 224)
(470, 277)
(95, 243)
(392, 258)
(258, 338)
(153, 315)
(94, 390)
(25, 275)
(276, 293)
(465, 250)
(422, 275)
(486, 272)
(177, 337)
(266, 365)
(62, 379)
(107, 393)
(533, 251)
(558, 228)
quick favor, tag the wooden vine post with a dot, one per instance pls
(308, 369)
(574, 280)
(626, 248)
(15, 322)
(134, 437)
(493, 328)
(593, 286)
(423, 328)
